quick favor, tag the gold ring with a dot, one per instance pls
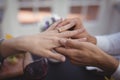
(59, 30)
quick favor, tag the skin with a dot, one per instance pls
(79, 25)
(84, 52)
(11, 70)
(40, 44)
(87, 54)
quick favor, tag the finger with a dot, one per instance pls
(53, 26)
(66, 27)
(65, 22)
(66, 51)
(78, 23)
(71, 43)
(63, 41)
(56, 56)
(28, 59)
(81, 39)
(68, 34)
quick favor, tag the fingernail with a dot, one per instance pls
(63, 58)
(84, 38)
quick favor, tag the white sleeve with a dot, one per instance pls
(116, 75)
(109, 43)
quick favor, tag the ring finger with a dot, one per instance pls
(66, 27)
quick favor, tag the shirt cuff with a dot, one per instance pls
(116, 74)
(103, 43)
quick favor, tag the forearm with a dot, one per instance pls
(109, 64)
(10, 47)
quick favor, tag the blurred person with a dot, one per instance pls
(92, 50)
(40, 44)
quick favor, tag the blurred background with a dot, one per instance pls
(21, 17)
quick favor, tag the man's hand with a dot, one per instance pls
(87, 54)
(79, 25)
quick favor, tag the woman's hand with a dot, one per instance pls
(41, 44)
(87, 54)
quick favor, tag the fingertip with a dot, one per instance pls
(63, 59)
(60, 57)
(83, 39)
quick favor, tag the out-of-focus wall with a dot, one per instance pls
(99, 16)
(115, 18)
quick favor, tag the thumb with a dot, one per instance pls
(71, 43)
(57, 56)
(82, 39)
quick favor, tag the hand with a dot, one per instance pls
(9, 70)
(41, 44)
(87, 54)
(79, 25)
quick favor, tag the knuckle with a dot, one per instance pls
(67, 34)
(54, 39)
(69, 42)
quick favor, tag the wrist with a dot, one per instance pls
(109, 65)
(24, 43)
(10, 47)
